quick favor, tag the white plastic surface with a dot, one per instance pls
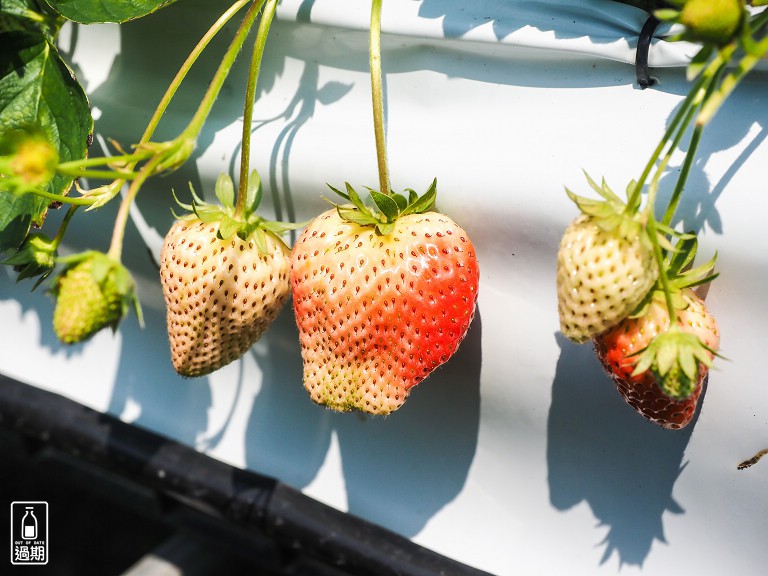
(517, 457)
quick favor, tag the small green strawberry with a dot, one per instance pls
(714, 22)
(605, 265)
(93, 292)
(225, 278)
(381, 298)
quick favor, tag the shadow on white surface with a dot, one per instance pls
(398, 470)
(601, 452)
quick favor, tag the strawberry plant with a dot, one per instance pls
(620, 274)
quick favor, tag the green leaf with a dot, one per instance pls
(90, 11)
(38, 92)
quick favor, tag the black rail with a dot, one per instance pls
(241, 501)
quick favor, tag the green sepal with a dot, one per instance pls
(674, 358)
(225, 191)
(387, 208)
(35, 257)
(245, 226)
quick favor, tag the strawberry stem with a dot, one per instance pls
(187, 65)
(250, 95)
(196, 124)
(377, 94)
(63, 227)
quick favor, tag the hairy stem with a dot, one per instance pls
(250, 96)
(377, 94)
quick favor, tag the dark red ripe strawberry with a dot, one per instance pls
(616, 348)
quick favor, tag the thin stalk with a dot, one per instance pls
(250, 96)
(99, 174)
(187, 65)
(690, 155)
(73, 201)
(681, 113)
(729, 83)
(72, 165)
(377, 94)
(118, 233)
(196, 124)
(63, 227)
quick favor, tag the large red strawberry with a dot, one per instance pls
(605, 265)
(381, 300)
(659, 368)
(225, 277)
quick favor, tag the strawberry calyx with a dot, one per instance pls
(388, 207)
(612, 214)
(35, 257)
(245, 225)
(675, 358)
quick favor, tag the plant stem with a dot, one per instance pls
(729, 83)
(377, 94)
(250, 95)
(195, 125)
(118, 233)
(76, 201)
(187, 65)
(63, 227)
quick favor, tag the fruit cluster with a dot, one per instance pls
(383, 291)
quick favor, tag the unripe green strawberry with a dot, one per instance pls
(605, 267)
(712, 21)
(378, 312)
(91, 294)
(668, 400)
(225, 278)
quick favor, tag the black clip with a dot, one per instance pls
(644, 79)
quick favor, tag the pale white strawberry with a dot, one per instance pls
(605, 266)
(225, 278)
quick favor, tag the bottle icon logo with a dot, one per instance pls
(29, 533)
(29, 524)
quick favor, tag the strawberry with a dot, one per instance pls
(224, 278)
(605, 265)
(93, 292)
(659, 368)
(712, 21)
(380, 300)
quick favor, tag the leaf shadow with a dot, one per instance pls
(599, 451)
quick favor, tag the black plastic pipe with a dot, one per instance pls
(248, 501)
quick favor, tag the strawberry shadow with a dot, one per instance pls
(601, 452)
(287, 436)
(401, 469)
